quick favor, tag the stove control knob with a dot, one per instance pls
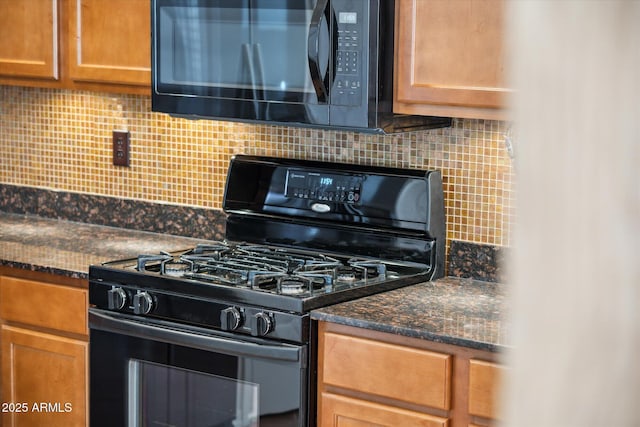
(142, 303)
(116, 299)
(261, 324)
(230, 319)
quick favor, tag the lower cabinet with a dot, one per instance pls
(342, 411)
(44, 343)
(369, 378)
(45, 377)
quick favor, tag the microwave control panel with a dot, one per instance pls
(325, 187)
(348, 84)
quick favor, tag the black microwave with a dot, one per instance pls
(317, 63)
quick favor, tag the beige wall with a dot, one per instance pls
(62, 140)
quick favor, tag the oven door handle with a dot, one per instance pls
(190, 337)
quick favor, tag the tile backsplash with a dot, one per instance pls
(61, 140)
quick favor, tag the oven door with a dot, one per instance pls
(145, 372)
(242, 59)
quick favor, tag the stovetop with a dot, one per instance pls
(280, 271)
(275, 277)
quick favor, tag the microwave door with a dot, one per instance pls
(290, 62)
(244, 61)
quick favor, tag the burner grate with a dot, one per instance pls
(263, 268)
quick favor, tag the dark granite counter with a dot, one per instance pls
(68, 248)
(463, 312)
(453, 310)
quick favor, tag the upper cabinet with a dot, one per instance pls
(76, 44)
(450, 58)
(109, 41)
(29, 39)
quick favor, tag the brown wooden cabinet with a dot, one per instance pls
(450, 58)
(29, 39)
(80, 44)
(370, 378)
(110, 41)
(44, 342)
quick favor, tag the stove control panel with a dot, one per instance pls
(202, 311)
(326, 187)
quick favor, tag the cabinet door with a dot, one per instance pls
(48, 374)
(110, 41)
(29, 35)
(484, 383)
(450, 58)
(342, 411)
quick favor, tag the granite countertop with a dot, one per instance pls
(67, 248)
(463, 312)
(451, 310)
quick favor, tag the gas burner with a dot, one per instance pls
(293, 285)
(346, 275)
(290, 284)
(175, 268)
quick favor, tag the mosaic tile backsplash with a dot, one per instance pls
(61, 140)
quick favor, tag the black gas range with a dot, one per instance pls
(299, 235)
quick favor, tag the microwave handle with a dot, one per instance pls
(313, 49)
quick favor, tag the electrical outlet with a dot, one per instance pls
(121, 148)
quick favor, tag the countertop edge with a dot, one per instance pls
(44, 269)
(407, 332)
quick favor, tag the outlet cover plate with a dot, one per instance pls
(121, 148)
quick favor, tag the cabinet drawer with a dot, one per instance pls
(484, 382)
(388, 370)
(41, 304)
(342, 411)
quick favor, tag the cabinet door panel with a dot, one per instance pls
(418, 376)
(46, 372)
(24, 301)
(450, 54)
(29, 34)
(484, 383)
(341, 411)
(109, 41)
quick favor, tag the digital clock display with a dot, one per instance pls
(347, 18)
(335, 187)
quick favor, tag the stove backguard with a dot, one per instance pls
(388, 213)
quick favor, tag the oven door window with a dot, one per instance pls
(168, 396)
(256, 50)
